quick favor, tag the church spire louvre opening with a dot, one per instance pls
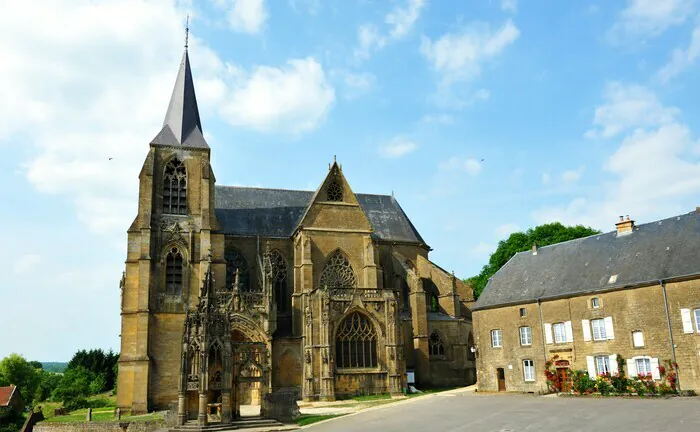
(182, 118)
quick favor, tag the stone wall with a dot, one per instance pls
(640, 309)
(115, 426)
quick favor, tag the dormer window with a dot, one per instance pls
(595, 303)
(334, 192)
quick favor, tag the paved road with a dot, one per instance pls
(506, 413)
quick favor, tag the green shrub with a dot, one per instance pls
(582, 383)
(620, 384)
(603, 385)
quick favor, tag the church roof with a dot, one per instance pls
(652, 252)
(182, 126)
(276, 213)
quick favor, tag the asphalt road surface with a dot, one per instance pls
(467, 411)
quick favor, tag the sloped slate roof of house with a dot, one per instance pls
(659, 250)
(247, 211)
(6, 395)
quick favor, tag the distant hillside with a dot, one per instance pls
(58, 367)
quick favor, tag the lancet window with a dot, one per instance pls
(334, 192)
(338, 273)
(236, 261)
(173, 272)
(175, 188)
(279, 280)
(356, 342)
(436, 346)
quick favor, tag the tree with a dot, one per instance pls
(48, 383)
(14, 369)
(542, 235)
(74, 388)
(98, 363)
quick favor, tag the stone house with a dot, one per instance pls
(231, 293)
(10, 400)
(632, 292)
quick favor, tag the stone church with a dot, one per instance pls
(231, 294)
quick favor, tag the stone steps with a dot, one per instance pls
(244, 423)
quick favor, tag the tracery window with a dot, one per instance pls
(236, 261)
(175, 188)
(338, 272)
(356, 343)
(436, 347)
(334, 192)
(173, 272)
(279, 280)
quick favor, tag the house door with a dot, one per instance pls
(563, 375)
(501, 374)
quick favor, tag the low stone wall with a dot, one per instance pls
(115, 426)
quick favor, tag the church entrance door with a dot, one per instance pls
(249, 377)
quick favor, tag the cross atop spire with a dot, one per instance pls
(187, 31)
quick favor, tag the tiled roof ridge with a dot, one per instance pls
(294, 190)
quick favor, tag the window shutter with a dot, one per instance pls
(590, 361)
(613, 364)
(631, 368)
(586, 325)
(655, 369)
(687, 322)
(548, 333)
(569, 331)
(609, 332)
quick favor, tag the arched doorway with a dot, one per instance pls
(250, 375)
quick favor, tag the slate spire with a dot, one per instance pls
(182, 126)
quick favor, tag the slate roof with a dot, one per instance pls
(655, 251)
(6, 395)
(275, 213)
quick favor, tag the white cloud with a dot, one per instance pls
(460, 56)
(353, 84)
(505, 230)
(509, 6)
(245, 16)
(294, 98)
(401, 19)
(655, 171)
(628, 106)
(482, 250)
(397, 147)
(643, 19)
(369, 39)
(469, 165)
(546, 178)
(27, 263)
(681, 58)
(572, 176)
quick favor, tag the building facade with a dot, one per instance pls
(231, 293)
(633, 292)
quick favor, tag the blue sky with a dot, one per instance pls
(483, 117)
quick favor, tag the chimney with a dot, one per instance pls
(534, 248)
(625, 225)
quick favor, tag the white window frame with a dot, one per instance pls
(696, 313)
(498, 339)
(646, 362)
(559, 336)
(605, 360)
(634, 341)
(602, 335)
(529, 370)
(526, 336)
(595, 303)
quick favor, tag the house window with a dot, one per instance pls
(525, 336)
(643, 366)
(173, 272)
(638, 338)
(175, 188)
(595, 303)
(523, 313)
(334, 192)
(598, 329)
(496, 338)
(529, 370)
(437, 348)
(697, 320)
(602, 364)
(559, 333)
(356, 343)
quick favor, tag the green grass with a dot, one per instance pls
(307, 419)
(102, 411)
(372, 397)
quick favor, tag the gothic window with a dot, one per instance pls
(356, 343)
(334, 192)
(338, 273)
(432, 304)
(175, 188)
(437, 348)
(279, 280)
(404, 294)
(236, 261)
(173, 272)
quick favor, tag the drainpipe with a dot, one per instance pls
(670, 333)
(544, 346)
